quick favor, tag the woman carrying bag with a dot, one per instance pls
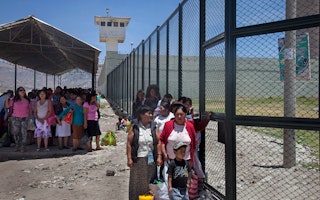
(141, 152)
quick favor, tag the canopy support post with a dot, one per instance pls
(34, 79)
(15, 77)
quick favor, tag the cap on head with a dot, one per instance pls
(178, 145)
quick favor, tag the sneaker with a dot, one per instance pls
(38, 150)
(47, 150)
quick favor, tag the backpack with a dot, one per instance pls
(6, 139)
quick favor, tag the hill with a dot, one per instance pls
(25, 78)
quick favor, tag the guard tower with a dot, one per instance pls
(112, 30)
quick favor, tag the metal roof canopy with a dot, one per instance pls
(35, 44)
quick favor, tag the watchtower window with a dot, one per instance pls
(109, 24)
(115, 24)
(121, 24)
(103, 23)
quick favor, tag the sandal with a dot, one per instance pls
(98, 148)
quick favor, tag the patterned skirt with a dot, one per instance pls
(43, 130)
(141, 174)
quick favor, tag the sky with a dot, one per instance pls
(76, 17)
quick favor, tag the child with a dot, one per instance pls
(122, 124)
(179, 173)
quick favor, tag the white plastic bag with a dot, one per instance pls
(159, 188)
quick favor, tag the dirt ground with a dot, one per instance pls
(63, 174)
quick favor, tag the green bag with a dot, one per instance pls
(4, 138)
(109, 139)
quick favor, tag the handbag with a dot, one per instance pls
(159, 188)
(51, 120)
(31, 125)
(69, 116)
(193, 189)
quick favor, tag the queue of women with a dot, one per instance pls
(156, 134)
(47, 110)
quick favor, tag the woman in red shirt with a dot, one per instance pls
(177, 130)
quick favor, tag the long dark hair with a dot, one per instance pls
(137, 98)
(156, 89)
(45, 92)
(17, 96)
(90, 94)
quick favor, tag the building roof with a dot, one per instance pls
(35, 44)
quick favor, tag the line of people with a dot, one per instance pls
(41, 115)
(166, 134)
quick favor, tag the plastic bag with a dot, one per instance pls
(159, 188)
(31, 125)
(109, 139)
(69, 116)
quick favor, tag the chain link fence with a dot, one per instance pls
(255, 66)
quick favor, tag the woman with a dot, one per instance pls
(199, 125)
(152, 96)
(141, 153)
(177, 130)
(3, 110)
(164, 114)
(140, 99)
(77, 122)
(90, 113)
(63, 129)
(56, 95)
(42, 110)
(21, 112)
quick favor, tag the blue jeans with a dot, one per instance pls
(179, 193)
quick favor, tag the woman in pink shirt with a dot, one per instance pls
(90, 113)
(22, 110)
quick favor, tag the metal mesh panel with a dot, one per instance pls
(139, 68)
(173, 58)
(215, 79)
(153, 59)
(131, 90)
(146, 64)
(190, 51)
(261, 84)
(126, 86)
(260, 155)
(262, 11)
(214, 18)
(163, 60)
(215, 158)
